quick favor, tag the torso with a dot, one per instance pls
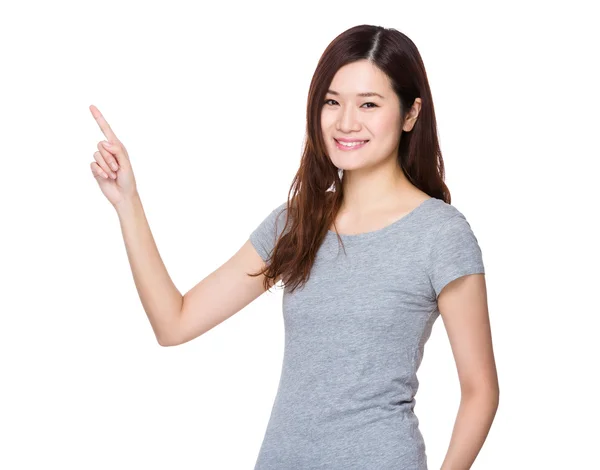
(354, 339)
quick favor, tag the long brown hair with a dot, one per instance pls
(316, 193)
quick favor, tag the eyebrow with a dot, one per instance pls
(366, 94)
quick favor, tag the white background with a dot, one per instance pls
(210, 102)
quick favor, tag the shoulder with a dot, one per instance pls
(278, 215)
(440, 214)
(281, 209)
(274, 221)
(452, 249)
(264, 235)
(440, 211)
(446, 224)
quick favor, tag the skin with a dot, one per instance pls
(464, 311)
(376, 193)
(112, 167)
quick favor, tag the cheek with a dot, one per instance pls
(384, 124)
(326, 121)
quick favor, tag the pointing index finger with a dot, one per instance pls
(104, 127)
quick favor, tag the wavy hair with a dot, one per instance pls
(316, 192)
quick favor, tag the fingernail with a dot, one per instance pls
(114, 166)
(106, 144)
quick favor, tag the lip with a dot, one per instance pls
(349, 149)
(341, 139)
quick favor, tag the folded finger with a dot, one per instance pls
(97, 171)
(102, 164)
(109, 158)
(117, 149)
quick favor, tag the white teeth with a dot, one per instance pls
(351, 144)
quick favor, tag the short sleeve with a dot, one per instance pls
(264, 235)
(454, 253)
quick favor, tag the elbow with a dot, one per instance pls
(481, 388)
(167, 338)
(490, 395)
(163, 343)
(168, 334)
(166, 341)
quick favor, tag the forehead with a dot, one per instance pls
(360, 76)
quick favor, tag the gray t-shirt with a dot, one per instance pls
(354, 339)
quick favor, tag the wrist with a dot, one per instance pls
(128, 203)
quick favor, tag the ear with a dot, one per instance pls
(413, 114)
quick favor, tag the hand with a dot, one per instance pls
(122, 187)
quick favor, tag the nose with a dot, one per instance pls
(347, 120)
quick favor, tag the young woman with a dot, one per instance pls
(370, 252)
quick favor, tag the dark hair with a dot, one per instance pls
(314, 206)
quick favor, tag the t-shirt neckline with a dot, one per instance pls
(402, 220)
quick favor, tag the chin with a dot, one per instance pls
(349, 166)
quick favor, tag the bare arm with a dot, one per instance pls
(113, 171)
(175, 319)
(221, 294)
(160, 298)
(464, 310)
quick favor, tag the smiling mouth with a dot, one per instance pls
(350, 145)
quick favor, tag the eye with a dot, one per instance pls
(369, 107)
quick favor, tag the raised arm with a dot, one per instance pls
(175, 319)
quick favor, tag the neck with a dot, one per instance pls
(369, 190)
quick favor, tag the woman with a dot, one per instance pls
(371, 182)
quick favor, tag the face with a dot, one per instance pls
(347, 116)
